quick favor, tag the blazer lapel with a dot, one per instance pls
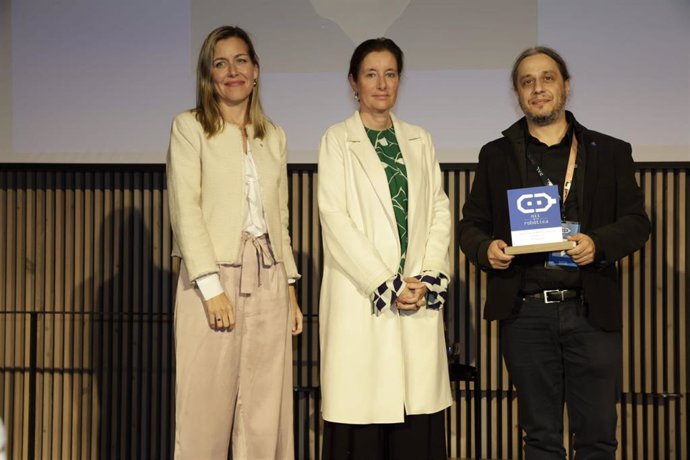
(517, 177)
(362, 150)
(262, 160)
(586, 177)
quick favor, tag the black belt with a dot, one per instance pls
(553, 295)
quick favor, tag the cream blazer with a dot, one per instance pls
(206, 191)
(374, 369)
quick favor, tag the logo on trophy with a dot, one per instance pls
(535, 221)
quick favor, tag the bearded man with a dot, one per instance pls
(559, 322)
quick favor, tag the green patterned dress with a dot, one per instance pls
(386, 145)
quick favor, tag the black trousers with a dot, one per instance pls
(554, 357)
(420, 437)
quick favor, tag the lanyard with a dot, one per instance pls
(569, 173)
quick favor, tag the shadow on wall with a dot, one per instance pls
(132, 349)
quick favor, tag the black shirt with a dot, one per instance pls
(553, 161)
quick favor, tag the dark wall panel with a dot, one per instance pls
(86, 310)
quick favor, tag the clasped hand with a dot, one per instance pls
(413, 296)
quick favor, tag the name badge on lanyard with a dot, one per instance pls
(560, 259)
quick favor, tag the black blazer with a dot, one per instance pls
(610, 206)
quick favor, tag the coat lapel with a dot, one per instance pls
(362, 150)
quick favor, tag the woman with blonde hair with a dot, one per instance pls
(235, 306)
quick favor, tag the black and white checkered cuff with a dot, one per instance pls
(387, 293)
(437, 289)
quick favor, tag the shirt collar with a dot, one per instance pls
(565, 141)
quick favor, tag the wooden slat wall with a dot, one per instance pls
(86, 345)
(85, 310)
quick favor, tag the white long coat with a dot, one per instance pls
(374, 369)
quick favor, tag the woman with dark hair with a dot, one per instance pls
(235, 306)
(386, 231)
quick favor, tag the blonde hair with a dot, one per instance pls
(207, 109)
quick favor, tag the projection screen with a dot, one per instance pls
(100, 81)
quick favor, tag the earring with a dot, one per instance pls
(255, 82)
(356, 96)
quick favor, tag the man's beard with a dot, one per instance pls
(548, 118)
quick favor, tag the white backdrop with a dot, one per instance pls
(100, 80)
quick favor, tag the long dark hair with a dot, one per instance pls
(550, 52)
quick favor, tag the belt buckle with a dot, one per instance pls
(553, 291)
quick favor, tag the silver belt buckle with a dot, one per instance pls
(546, 296)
